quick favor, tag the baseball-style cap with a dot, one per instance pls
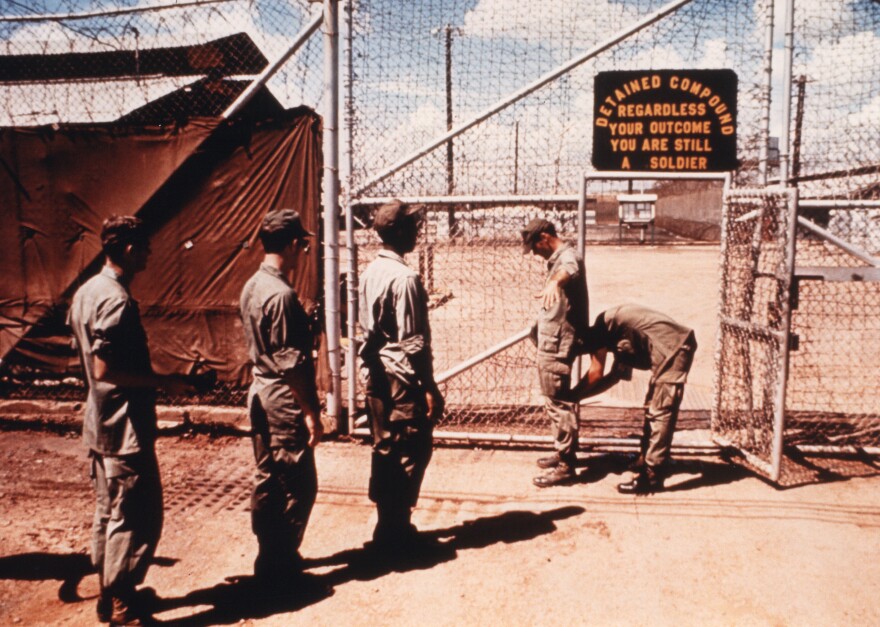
(392, 213)
(284, 220)
(533, 230)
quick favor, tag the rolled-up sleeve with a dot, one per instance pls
(289, 338)
(411, 308)
(107, 328)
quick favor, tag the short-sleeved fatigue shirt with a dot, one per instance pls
(558, 327)
(106, 322)
(645, 339)
(279, 341)
(394, 318)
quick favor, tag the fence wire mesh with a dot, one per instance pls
(481, 290)
(159, 61)
(541, 144)
(834, 380)
(755, 277)
(836, 99)
(67, 61)
(155, 63)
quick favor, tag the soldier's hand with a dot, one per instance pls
(315, 427)
(549, 295)
(435, 403)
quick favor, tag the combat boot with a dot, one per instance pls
(645, 482)
(551, 461)
(561, 474)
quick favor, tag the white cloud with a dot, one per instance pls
(531, 20)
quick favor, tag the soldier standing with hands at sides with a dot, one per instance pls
(564, 312)
(402, 397)
(644, 339)
(119, 427)
(282, 401)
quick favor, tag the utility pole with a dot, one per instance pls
(450, 156)
(515, 156)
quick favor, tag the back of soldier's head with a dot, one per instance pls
(118, 232)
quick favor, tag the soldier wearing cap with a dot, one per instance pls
(563, 314)
(643, 339)
(402, 397)
(119, 427)
(282, 401)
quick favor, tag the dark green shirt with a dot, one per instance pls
(106, 322)
(279, 341)
(558, 327)
(645, 339)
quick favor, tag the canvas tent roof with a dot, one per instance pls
(202, 184)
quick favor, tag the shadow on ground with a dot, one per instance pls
(69, 568)
(707, 473)
(240, 598)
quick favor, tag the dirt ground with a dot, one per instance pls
(721, 547)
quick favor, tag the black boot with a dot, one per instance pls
(645, 482)
(561, 474)
(551, 461)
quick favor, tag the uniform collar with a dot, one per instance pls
(556, 254)
(110, 273)
(390, 254)
(265, 267)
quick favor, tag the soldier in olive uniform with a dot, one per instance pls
(282, 401)
(564, 313)
(402, 397)
(119, 427)
(644, 339)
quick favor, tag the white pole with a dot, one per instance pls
(352, 304)
(266, 74)
(525, 91)
(788, 61)
(763, 152)
(331, 203)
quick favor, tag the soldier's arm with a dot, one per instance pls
(595, 381)
(108, 319)
(290, 342)
(411, 306)
(173, 384)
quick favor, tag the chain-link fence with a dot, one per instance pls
(751, 352)
(67, 61)
(834, 380)
(481, 290)
(436, 65)
(111, 65)
(421, 69)
(836, 101)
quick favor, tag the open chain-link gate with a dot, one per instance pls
(757, 259)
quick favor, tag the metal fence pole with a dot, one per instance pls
(764, 148)
(351, 247)
(787, 71)
(331, 204)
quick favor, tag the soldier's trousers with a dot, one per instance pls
(402, 443)
(662, 404)
(128, 518)
(285, 489)
(661, 413)
(562, 413)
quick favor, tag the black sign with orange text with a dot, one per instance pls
(665, 121)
